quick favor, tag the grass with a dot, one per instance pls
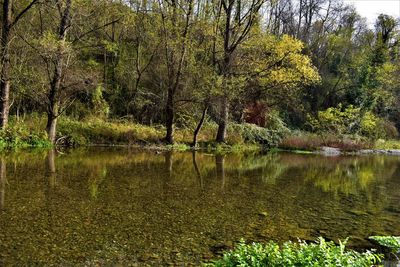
(387, 144)
(29, 132)
(300, 254)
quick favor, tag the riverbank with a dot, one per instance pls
(29, 133)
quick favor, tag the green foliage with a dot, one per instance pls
(20, 136)
(252, 133)
(387, 144)
(100, 106)
(274, 122)
(391, 242)
(126, 68)
(97, 131)
(351, 120)
(337, 120)
(320, 253)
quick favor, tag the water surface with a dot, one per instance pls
(131, 207)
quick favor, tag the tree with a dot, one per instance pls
(8, 24)
(176, 21)
(238, 19)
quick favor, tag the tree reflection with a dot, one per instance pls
(348, 175)
(196, 168)
(51, 167)
(2, 182)
(220, 168)
(168, 162)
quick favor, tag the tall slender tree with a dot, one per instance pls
(64, 10)
(176, 39)
(8, 24)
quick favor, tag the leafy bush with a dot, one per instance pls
(351, 120)
(18, 135)
(337, 120)
(391, 242)
(320, 253)
(251, 133)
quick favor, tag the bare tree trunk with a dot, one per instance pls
(198, 128)
(169, 138)
(55, 86)
(223, 120)
(5, 70)
(51, 127)
(174, 74)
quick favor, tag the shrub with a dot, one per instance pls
(337, 120)
(252, 133)
(18, 135)
(320, 253)
(350, 121)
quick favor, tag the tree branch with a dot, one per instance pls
(23, 12)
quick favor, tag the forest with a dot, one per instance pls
(272, 72)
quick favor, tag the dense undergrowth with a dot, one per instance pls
(29, 132)
(300, 254)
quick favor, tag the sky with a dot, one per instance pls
(372, 8)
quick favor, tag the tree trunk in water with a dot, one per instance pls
(223, 120)
(169, 138)
(198, 128)
(5, 58)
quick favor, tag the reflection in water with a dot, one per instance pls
(51, 166)
(196, 169)
(220, 168)
(168, 161)
(2, 182)
(115, 206)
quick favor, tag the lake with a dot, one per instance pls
(110, 206)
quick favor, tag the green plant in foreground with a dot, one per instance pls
(392, 242)
(321, 253)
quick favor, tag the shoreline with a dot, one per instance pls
(218, 148)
